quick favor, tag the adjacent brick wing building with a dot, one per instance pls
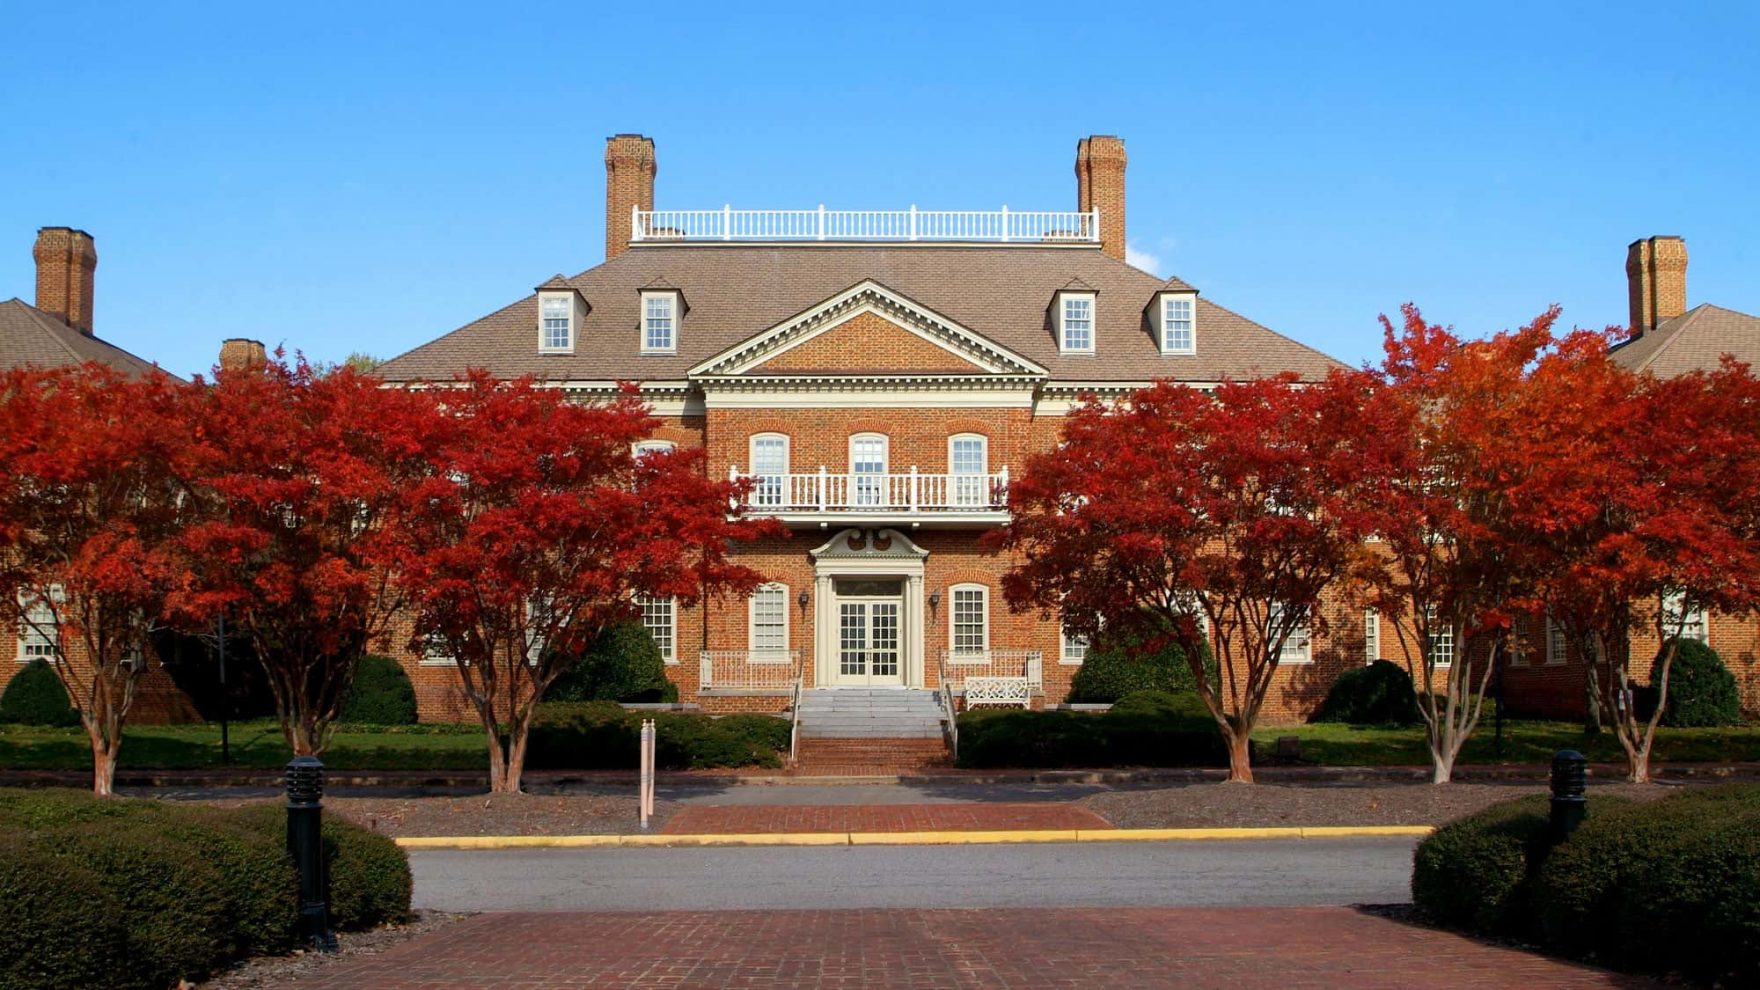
(880, 375)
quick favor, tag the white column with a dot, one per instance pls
(824, 631)
(914, 609)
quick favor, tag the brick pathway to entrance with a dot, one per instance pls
(1232, 948)
(697, 819)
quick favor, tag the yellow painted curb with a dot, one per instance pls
(912, 838)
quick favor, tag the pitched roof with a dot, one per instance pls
(737, 291)
(30, 336)
(1694, 340)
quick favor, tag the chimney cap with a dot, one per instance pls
(1656, 237)
(71, 230)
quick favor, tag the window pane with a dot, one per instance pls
(1177, 321)
(1078, 324)
(1371, 635)
(558, 312)
(1441, 640)
(658, 323)
(867, 461)
(1075, 648)
(36, 635)
(970, 620)
(1295, 645)
(657, 616)
(968, 463)
(770, 619)
(769, 464)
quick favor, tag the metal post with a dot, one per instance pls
(646, 782)
(305, 843)
(1570, 782)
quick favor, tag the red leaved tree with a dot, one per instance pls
(92, 500)
(1454, 415)
(537, 531)
(1639, 512)
(303, 483)
(1179, 508)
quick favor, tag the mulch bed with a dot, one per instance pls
(1259, 805)
(265, 972)
(490, 814)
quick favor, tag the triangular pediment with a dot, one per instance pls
(867, 330)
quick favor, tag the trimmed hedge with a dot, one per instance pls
(600, 735)
(1379, 694)
(119, 893)
(1122, 662)
(380, 695)
(623, 664)
(1144, 729)
(1701, 690)
(35, 696)
(1671, 885)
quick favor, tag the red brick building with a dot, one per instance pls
(881, 375)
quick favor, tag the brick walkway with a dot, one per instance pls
(1236, 949)
(965, 817)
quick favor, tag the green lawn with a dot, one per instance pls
(254, 744)
(1523, 742)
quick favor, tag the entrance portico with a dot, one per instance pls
(869, 608)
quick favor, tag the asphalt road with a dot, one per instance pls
(1088, 874)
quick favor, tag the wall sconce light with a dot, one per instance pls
(803, 598)
(934, 599)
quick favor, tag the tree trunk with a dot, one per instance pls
(104, 753)
(1441, 766)
(1240, 757)
(498, 761)
(1638, 765)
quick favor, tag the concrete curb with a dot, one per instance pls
(913, 838)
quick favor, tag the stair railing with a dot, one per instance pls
(948, 713)
(794, 712)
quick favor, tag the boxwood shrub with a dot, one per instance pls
(35, 696)
(380, 695)
(1703, 905)
(1120, 663)
(1474, 873)
(1379, 694)
(598, 735)
(166, 892)
(623, 664)
(1701, 690)
(1145, 729)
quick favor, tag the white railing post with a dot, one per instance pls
(727, 221)
(635, 223)
(913, 221)
(705, 671)
(824, 483)
(915, 499)
(1005, 223)
(821, 221)
(1001, 493)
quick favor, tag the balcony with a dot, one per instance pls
(920, 499)
(1002, 226)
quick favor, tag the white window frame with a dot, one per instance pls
(1518, 634)
(1073, 649)
(434, 652)
(1167, 323)
(30, 637)
(643, 448)
(1302, 637)
(1064, 301)
(1371, 636)
(953, 623)
(879, 489)
(669, 300)
(968, 489)
(1443, 642)
(771, 491)
(545, 301)
(760, 653)
(651, 607)
(1558, 650)
(1698, 618)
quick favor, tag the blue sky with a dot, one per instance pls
(369, 176)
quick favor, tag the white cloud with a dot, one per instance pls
(1139, 258)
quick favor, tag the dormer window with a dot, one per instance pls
(1075, 322)
(556, 322)
(1175, 315)
(659, 322)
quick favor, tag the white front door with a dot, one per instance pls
(868, 629)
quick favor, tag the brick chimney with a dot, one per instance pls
(239, 354)
(1656, 280)
(1100, 164)
(629, 184)
(66, 259)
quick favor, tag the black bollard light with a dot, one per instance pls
(1570, 784)
(305, 842)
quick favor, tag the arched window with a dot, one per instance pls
(647, 448)
(968, 618)
(769, 460)
(768, 633)
(867, 469)
(968, 469)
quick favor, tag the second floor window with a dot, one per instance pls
(769, 465)
(1078, 323)
(557, 331)
(658, 312)
(867, 468)
(968, 465)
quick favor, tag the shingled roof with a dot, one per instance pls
(737, 291)
(1693, 341)
(30, 336)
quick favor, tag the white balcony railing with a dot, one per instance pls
(994, 677)
(912, 492)
(1002, 226)
(769, 671)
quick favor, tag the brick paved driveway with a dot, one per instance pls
(1233, 948)
(882, 818)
